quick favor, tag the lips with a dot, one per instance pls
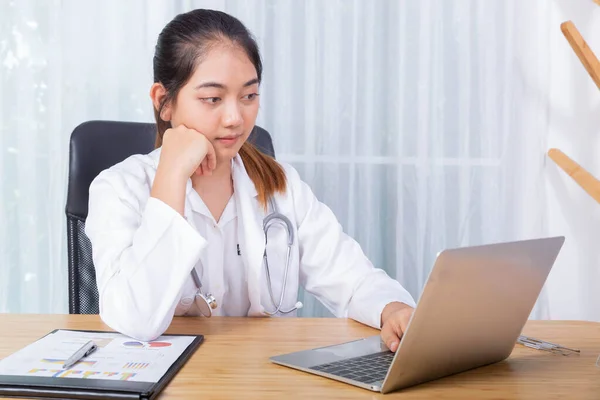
(230, 137)
(229, 141)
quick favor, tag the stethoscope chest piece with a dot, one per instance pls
(205, 303)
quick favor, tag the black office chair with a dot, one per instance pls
(96, 146)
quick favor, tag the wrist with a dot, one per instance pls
(170, 188)
(171, 174)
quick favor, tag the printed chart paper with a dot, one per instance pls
(117, 357)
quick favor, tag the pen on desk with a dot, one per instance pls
(83, 351)
(543, 345)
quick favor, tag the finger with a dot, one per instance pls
(404, 321)
(205, 167)
(211, 156)
(389, 337)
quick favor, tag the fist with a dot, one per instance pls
(186, 152)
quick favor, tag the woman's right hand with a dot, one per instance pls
(186, 152)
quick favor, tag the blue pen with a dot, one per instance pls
(84, 351)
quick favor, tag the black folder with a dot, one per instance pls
(79, 388)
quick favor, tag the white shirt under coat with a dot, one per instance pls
(221, 257)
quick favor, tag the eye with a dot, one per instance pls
(211, 100)
(251, 96)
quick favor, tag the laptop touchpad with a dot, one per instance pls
(356, 348)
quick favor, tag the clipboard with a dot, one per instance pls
(86, 388)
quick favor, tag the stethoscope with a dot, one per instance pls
(206, 302)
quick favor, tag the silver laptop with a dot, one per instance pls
(471, 312)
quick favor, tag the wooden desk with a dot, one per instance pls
(233, 360)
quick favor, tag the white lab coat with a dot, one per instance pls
(144, 251)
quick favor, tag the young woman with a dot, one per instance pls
(187, 219)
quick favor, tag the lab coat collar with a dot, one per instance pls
(241, 179)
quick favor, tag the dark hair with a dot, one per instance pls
(179, 50)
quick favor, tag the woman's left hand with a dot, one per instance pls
(394, 320)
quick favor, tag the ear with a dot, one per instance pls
(158, 93)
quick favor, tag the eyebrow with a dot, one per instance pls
(221, 86)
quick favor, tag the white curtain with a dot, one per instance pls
(423, 124)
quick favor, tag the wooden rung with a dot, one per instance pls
(583, 178)
(585, 54)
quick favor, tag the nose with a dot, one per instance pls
(233, 116)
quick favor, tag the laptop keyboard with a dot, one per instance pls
(366, 369)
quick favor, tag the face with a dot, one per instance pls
(220, 100)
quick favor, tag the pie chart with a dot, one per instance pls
(140, 345)
(159, 344)
(133, 344)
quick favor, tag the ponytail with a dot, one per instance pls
(266, 173)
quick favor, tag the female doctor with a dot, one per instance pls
(181, 231)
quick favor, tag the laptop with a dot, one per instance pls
(470, 314)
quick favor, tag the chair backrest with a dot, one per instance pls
(94, 147)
